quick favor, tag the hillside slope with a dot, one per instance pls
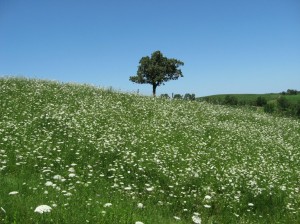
(99, 156)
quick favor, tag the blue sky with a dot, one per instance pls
(232, 46)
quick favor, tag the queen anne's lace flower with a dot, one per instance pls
(49, 183)
(196, 219)
(107, 205)
(43, 208)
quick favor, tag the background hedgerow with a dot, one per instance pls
(283, 104)
(99, 156)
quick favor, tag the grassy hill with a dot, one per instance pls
(97, 156)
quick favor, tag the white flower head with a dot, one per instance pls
(139, 222)
(43, 208)
(72, 175)
(140, 205)
(107, 205)
(127, 188)
(49, 183)
(13, 193)
(196, 219)
(207, 197)
(57, 177)
(150, 188)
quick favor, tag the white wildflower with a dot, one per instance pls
(13, 193)
(57, 177)
(150, 188)
(207, 197)
(140, 205)
(43, 208)
(107, 205)
(196, 219)
(68, 194)
(250, 204)
(49, 183)
(72, 175)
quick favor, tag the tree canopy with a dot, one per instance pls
(157, 70)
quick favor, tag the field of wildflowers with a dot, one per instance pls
(79, 154)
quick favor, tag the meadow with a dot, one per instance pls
(92, 155)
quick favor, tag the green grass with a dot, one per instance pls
(178, 158)
(251, 98)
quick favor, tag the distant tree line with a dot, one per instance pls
(290, 92)
(280, 106)
(187, 96)
(283, 107)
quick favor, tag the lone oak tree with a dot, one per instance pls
(157, 70)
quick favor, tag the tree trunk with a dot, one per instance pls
(154, 89)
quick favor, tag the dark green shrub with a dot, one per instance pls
(292, 92)
(166, 96)
(242, 102)
(269, 107)
(282, 103)
(189, 96)
(230, 100)
(296, 109)
(261, 101)
(177, 96)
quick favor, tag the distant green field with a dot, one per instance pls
(249, 98)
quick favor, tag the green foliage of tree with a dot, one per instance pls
(189, 96)
(165, 95)
(156, 70)
(270, 107)
(292, 92)
(282, 103)
(177, 96)
(261, 101)
(297, 110)
(230, 100)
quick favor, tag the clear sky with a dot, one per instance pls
(232, 46)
